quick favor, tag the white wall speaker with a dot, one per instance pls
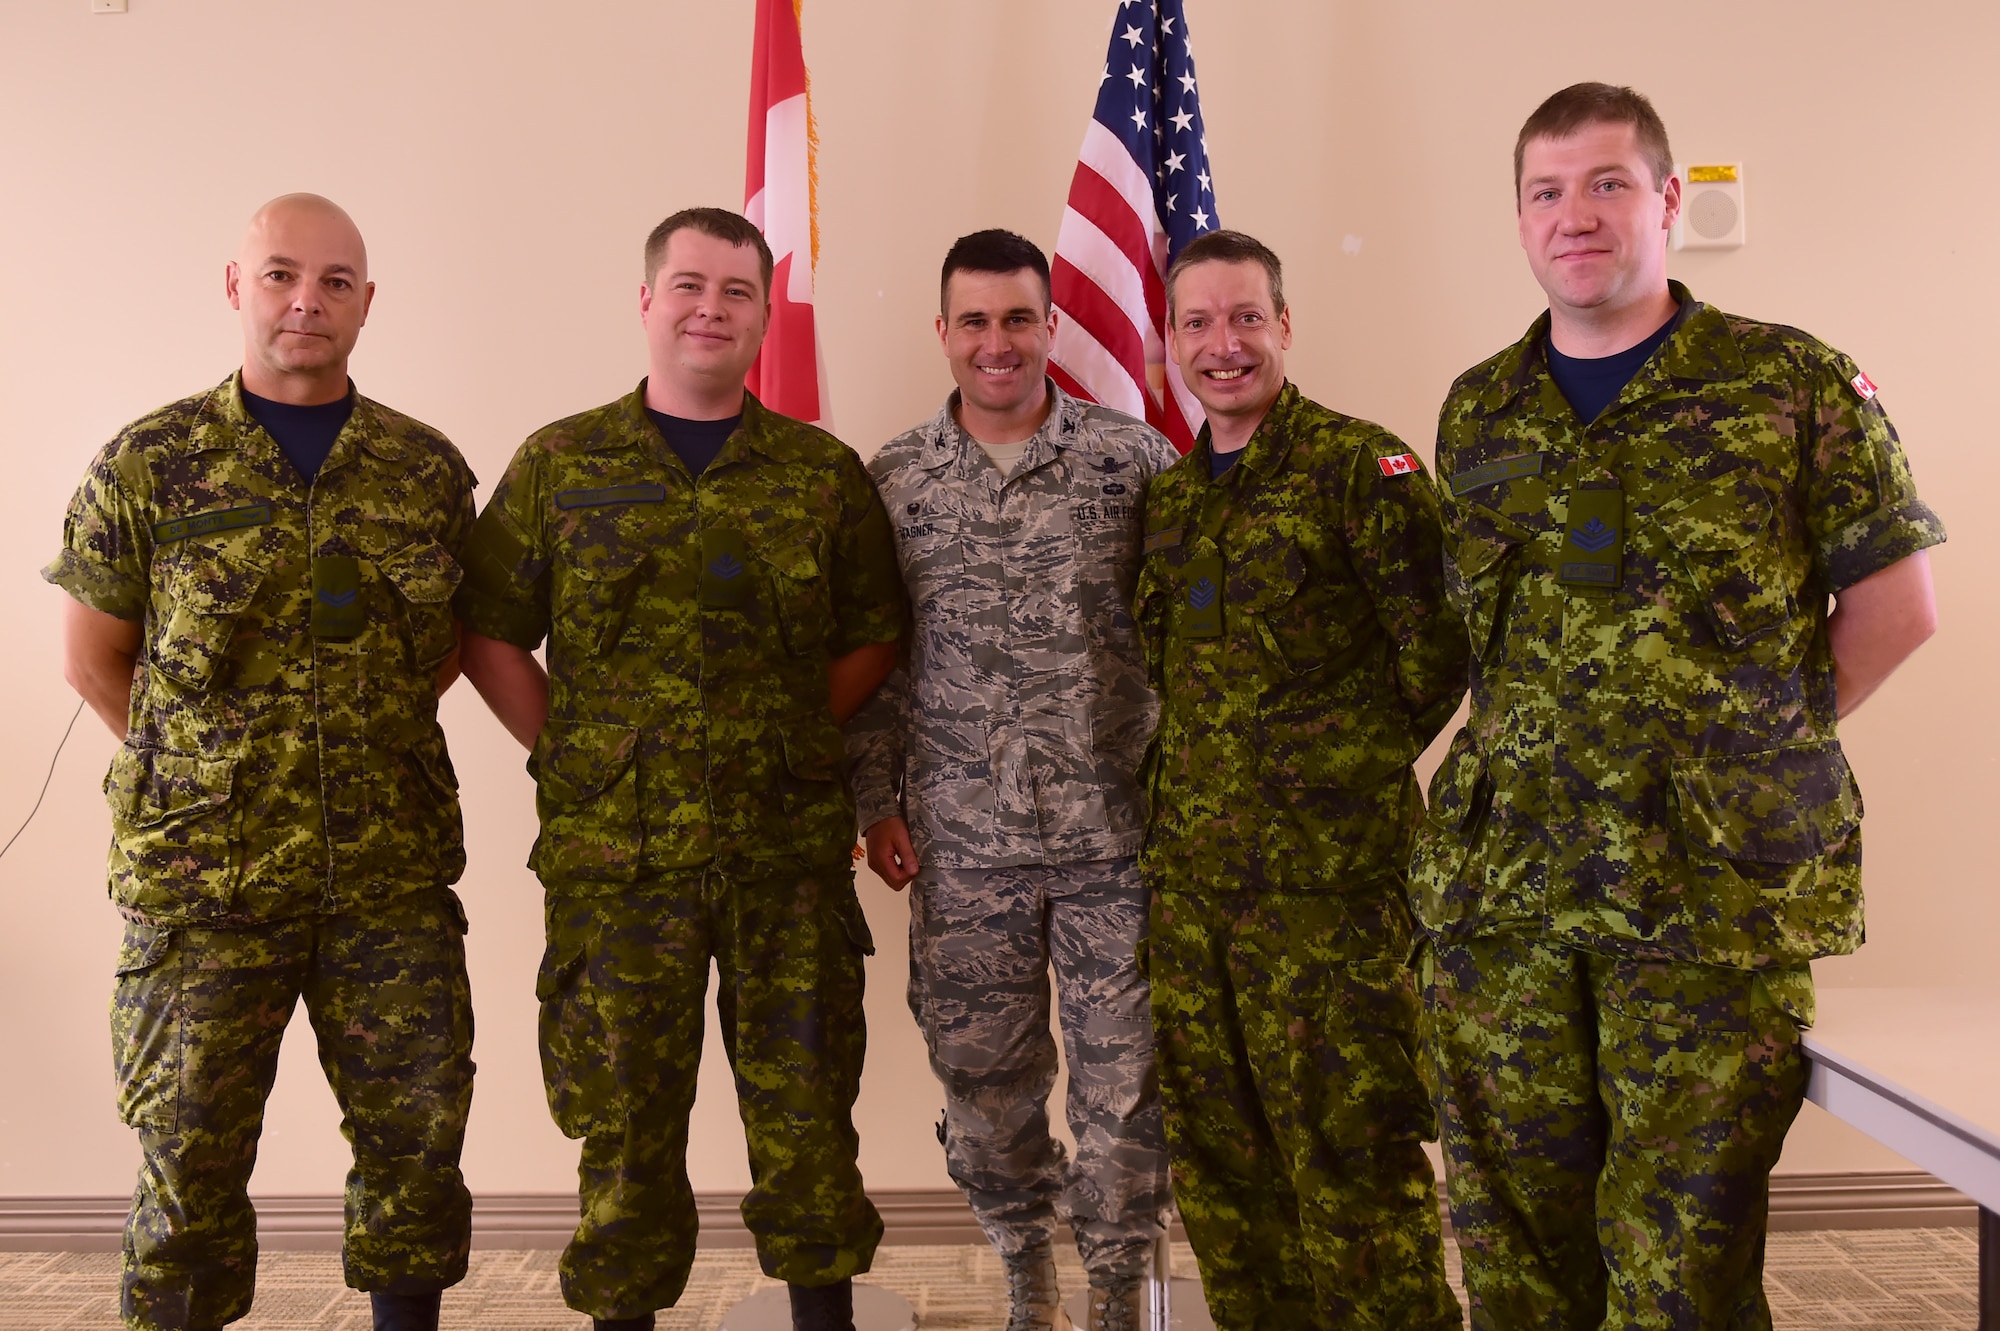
(1711, 207)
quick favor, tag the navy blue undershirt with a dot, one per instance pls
(1593, 383)
(305, 435)
(696, 442)
(1220, 463)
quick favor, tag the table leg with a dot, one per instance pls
(1989, 1270)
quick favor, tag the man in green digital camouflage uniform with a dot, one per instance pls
(718, 587)
(1293, 613)
(1646, 829)
(262, 577)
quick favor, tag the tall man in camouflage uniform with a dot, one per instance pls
(1000, 775)
(718, 588)
(262, 577)
(1294, 620)
(1647, 828)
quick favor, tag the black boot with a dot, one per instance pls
(405, 1312)
(643, 1322)
(823, 1307)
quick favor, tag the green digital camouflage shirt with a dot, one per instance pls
(270, 770)
(690, 626)
(1295, 626)
(1651, 767)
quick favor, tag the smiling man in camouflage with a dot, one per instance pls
(717, 589)
(997, 774)
(1293, 610)
(1647, 828)
(262, 577)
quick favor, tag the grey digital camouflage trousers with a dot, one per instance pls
(621, 989)
(197, 1016)
(1609, 1132)
(982, 943)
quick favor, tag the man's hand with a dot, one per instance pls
(890, 854)
(1876, 624)
(100, 654)
(511, 681)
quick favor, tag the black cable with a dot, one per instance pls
(45, 782)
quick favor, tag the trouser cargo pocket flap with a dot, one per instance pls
(148, 1028)
(559, 968)
(1781, 806)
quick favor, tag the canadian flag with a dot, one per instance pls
(780, 197)
(1402, 464)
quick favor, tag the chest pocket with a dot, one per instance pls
(1727, 543)
(207, 595)
(595, 597)
(799, 590)
(1269, 585)
(425, 575)
(1479, 571)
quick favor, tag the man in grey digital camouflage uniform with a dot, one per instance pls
(997, 774)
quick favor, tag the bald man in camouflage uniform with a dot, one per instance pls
(262, 577)
(1294, 620)
(1647, 828)
(1004, 764)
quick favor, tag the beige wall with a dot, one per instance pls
(506, 159)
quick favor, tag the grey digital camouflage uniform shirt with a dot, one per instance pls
(1015, 733)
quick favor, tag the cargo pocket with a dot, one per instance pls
(175, 828)
(207, 594)
(1477, 565)
(799, 592)
(1445, 881)
(576, 1065)
(853, 920)
(1360, 1065)
(425, 576)
(148, 1028)
(1723, 533)
(1757, 822)
(587, 793)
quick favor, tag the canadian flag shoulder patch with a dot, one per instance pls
(1863, 385)
(1402, 464)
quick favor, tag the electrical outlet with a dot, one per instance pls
(107, 6)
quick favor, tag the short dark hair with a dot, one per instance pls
(1581, 104)
(717, 222)
(1228, 247)
(993, 251)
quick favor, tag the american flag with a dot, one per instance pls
(1141, 192)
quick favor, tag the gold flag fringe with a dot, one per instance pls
(812, 142)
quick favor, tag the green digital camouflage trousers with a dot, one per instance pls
(1286, 1025)
(1609, 1130)
(982, 944)
(622, 987)
(196, 1020)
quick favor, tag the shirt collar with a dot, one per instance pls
(946, 444)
